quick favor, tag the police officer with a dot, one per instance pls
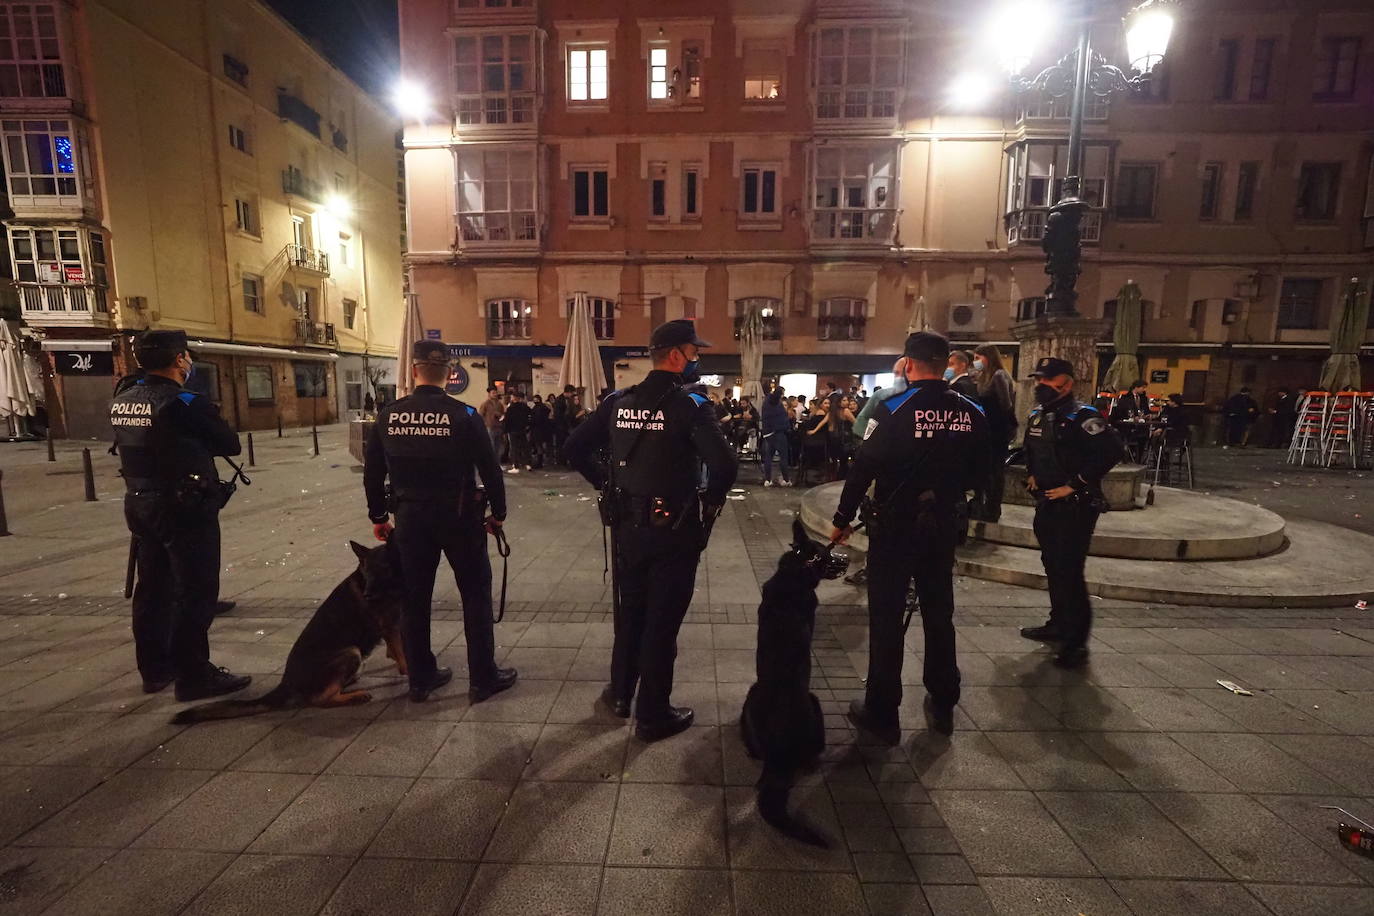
(1070, 447)
(429, 444)
(167, 439)
(924, 447)
(657, 435)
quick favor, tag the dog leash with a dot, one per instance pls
(502, 550)
(912, 607)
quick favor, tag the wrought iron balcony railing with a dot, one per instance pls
(872, 224)
(318, 333)
(311, 259)
(1028, 225)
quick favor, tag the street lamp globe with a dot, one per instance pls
(1017, 30)
(1148, 29)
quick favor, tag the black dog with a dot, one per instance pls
(362, 611)
(782, 723)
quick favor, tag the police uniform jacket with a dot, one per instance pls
(1069, 444)
(926, 438)
(658, 435)
(166, 435)
(430, 444)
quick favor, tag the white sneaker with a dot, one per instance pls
(768, 483)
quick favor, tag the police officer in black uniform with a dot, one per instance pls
(1070, 447)
(429, 444)
(924, 447)
(167, 439)
(657, 435)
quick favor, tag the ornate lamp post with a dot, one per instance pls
(1078, 74)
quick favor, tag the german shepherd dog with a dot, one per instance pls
(782, 723)
(362, 611)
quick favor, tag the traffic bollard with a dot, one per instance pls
(252, 462)
(52, 455)
(90, 474)
(278, 426)
(315, 435)
(4, 523)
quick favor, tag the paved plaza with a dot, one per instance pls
(1137, 787)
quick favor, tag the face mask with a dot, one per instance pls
(190, 372)
(1046, 394)
(691, 372)
(979, 365)
(949, 375)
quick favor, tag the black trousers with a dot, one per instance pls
(896, 558)
(424, 530)
(520, 449)
(178, 583)
(988, 506)
(656, 570)
(1064, 528)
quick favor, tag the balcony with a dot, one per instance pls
(311, 259)
(841, 327)
(519, 226)
(315, 333)
(877, 225)
(49, 304)
(297, 112)
(294, 181)
(1029, 226)
(235, 70)
(339, 139)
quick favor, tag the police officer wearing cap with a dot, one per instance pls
(1070, 447)
(924, 447)
(167, 439)
(430, 444)
(656, 436)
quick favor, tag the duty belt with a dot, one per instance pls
(464, 498)
(657, 511)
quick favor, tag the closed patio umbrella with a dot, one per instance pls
(1342, 368)
(751, 353)
(1125, 367)
(412, 329)
(16, 397)
(920, 320)
(581, 356)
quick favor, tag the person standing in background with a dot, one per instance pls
(997, 394)
(491, 411)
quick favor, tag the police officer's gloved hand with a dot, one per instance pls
(492, 524)
(382, 530)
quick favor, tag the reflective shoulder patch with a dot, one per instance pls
(971, 402)
(697, 399)
(186, 397)
(897, 400)
(871, 428)
(472, 411)
(1094, 425)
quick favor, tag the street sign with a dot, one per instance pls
(433, 335)
(1159, 376)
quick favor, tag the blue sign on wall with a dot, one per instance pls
(433, 335)
(457, 379)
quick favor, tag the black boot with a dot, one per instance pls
(212, 682)
(421, 691)
(939, 717)
(1045, 633)
(677, 720)
(224, 607)
(504, 679)
(885, 729)
(619, 706)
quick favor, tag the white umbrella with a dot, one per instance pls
(412, 329)
(751, 354)
(16, 397)
(581, 356)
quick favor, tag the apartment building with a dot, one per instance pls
(698, 159)
(197, 165)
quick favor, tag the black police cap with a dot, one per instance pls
(677, 333)
(431, 352)
(162, 340)
(926, 346)
(1050, 366)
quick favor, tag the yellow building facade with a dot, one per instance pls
(198, 165)
(699, 157)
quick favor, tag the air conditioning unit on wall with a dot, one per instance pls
(967, 317)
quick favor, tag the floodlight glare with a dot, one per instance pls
(410, 100)
(1148, 29)
(971, 89)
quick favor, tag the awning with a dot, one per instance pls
(98, 346)
(232, 349)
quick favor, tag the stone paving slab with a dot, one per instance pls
(1136, 787)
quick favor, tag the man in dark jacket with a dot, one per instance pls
(1239, 411)
(518, 420)
(774, 429)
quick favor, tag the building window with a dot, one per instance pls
(603, 316)
(1262, 68)
(312, 381)
(245, 219)
(854, 193)
(588, 74)
(40, 158)
(496, 195)
(1034, 107)
(857, 71)
(590, 192)
(759, 186)
(1135, 190)
(350, 313)
(1298, 301)
(765, 62)
(345, 243)
(238, 138)
(1224, 81)
(1333, 76)
(1247, 181)
(235, 70)
(1211, 190)
(769, 311)
(658, 72)
(691, 191)
(658, 190)
(47, 255)
(1318, 185)
(30, 53)
(508, 319)
(842, 319)
(252, 293)
(1037, 172)
(493, 77)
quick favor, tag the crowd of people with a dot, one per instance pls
(528, 433)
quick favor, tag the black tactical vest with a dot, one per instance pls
(153, 452)
(651, 441)
(430, 442)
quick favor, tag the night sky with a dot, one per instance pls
(359, 36)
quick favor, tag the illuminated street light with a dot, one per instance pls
(338, 206)
(1018, 30)
(410, 100)
(1148, 30)
(971, 90)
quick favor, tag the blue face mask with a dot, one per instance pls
(190, 374)
(949, 375)
(691, 371)
(979, 365)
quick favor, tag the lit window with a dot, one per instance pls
(588, 74)
(30, 54)
(854, 193)
(759, 188)
(856, 72)
(770, 311)
(51, 260)
(494, 79)
(496, 195)
(40, 158)
(765, 61)
(590, 192)
(658, 72)
(508, 319)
